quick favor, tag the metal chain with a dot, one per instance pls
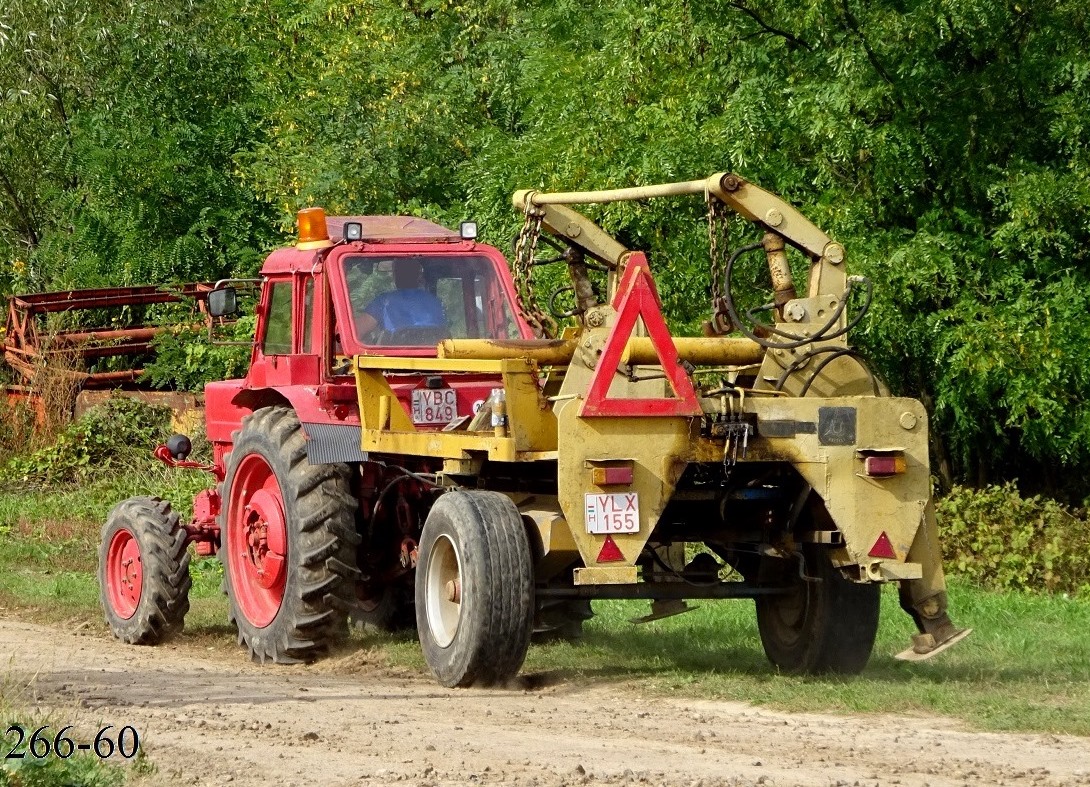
(525, 249)
(718, 245)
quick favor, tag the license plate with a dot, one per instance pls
(434, 405)
(616, 513)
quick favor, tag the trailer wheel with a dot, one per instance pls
(824, 624)
(289, 541)
(474, 589)
(143, 571)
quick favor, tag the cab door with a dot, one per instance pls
(286, 353)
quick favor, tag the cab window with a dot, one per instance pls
(277, 340)
(421, 299)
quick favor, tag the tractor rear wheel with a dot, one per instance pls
(288, 541)
(143, 571)
(474, 589)
(823, 624)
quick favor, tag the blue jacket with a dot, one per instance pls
(400, 309)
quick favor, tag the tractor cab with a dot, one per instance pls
(382, 286)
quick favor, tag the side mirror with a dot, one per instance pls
(223, 302)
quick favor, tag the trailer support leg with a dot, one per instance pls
(925, 599)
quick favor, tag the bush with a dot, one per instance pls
(185, 360)
(999, 540)
(120, 433)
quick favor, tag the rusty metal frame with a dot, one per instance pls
(26, 344)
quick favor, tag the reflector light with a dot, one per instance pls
(610, 552)
(883, 547)
(605, 476)
(313, 232)
(353, 230)
(468, 230)
(884, 465)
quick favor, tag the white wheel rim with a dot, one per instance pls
(444, 612)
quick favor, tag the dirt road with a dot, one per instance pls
(215, 719)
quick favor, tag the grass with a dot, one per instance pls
(48, 566)
(1025, 668)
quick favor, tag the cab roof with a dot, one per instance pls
(376, 229)
(386, 229)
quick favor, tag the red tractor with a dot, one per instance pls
(308, 528)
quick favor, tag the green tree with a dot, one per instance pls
(125, 120)
(945, 144)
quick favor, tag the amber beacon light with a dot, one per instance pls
(313, 232)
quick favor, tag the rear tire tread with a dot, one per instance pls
(836, 632)
(322, 537)
(494, 628)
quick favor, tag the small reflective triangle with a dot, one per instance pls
(883, 548)
(610, 552)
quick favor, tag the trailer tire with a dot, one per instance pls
(288, 541)
(474, 589)
(143, 571)
(826, 624)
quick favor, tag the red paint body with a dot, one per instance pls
(306, 370)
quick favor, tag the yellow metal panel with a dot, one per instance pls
(397, 364)
(531, 423)
(652, 444)
(379, 408)
(555, 549)
(606, 575)
(896, 571)
(530, 419)
(862, 507)
(445, 445)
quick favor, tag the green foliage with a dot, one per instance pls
(124, 120)
(185, 360)
(997, 539)
(946, 145)
(120, 433)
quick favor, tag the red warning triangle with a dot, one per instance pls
(637, 297)
(610, 552)
(883, 548)
(638, 265)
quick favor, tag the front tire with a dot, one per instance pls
(474, 589)
(289, 541)
(143, 571)
(824, 624)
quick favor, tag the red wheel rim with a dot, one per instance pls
(124, 574)
(256, 541)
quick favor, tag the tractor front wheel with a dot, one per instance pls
(823, 624)
(474, 589)
(143, 571)
(289, 541)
